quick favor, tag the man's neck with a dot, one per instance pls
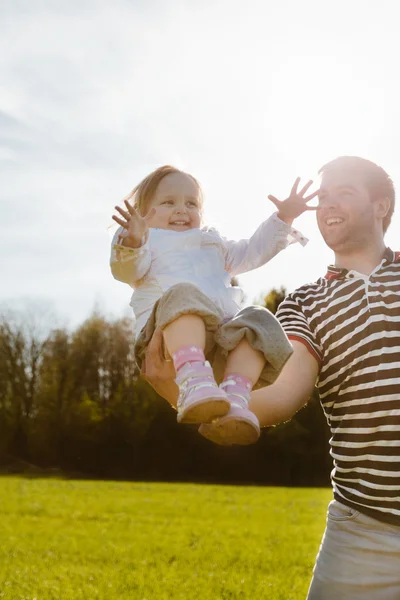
(363, 260)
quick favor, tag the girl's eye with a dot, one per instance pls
(167, 202)
(192, 203)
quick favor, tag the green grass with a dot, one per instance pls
(82, 540)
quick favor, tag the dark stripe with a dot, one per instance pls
(368, 502)
(384, 467)
(375, 450)
(364, 393)
(379, 515)
(357, 339)
(355, 352)
(368, 437)
(370, 408)
(378, 493)
(378, 479)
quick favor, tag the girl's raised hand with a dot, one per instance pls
(135, 226)
(295, 204)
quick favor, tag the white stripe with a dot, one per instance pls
(368, 444)
(376, 414)
(325, 316)
(362, 457)
(361, 430)
(378, 508)
(370, 484)
(381, 335)
(369, 471)
(360, 387)
(332, 297)
(357, 360)
(363, 401)
(377, 369)
(338, 326)
(318, 292)
(387, 273)
(379, 295)
(369, 385)
(375, 498)
(371, 319)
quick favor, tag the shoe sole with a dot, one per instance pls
(204, 411)
(240, 432)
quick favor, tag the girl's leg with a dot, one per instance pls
(200, 399)
(239, 426)
(243, 369)
(269, 351)
(245, 361)
(187, 330)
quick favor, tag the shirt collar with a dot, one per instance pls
(339, 273)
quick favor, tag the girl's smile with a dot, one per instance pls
(177, 203)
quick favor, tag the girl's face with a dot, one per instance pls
(177, 202)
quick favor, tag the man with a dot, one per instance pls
(345, 332)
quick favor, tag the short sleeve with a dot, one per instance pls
(296, 325)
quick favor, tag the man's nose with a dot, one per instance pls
(328, 201)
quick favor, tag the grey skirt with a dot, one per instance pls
(254, 323)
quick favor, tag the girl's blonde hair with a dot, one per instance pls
(141, 195)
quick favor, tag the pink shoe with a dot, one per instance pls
(200, 399)
(239, 426)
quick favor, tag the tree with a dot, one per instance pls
(273, 299)
(22, 341)
(73, 400)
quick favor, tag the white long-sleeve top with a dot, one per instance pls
(198, 256)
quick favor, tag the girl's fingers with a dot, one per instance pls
(132, 211)
(130, 208)
(305, 188)
(123, 224)
(312, 207)
(293, 191)
(123, 212)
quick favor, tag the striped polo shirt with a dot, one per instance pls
(350, 322)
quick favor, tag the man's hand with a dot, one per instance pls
(279, 401)
(158, 371)
(136, 227)
(295, 204)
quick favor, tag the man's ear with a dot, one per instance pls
(382, 207)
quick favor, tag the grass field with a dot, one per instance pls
(76, 540)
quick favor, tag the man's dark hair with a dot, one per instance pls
(378, 182)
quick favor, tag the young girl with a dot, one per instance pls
(181, 275)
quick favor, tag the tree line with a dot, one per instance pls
(72, 401)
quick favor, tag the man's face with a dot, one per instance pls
(347, 215)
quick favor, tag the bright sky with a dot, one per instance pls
(244, 95)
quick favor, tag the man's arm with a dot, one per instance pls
(292, 389)
(272, 404)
